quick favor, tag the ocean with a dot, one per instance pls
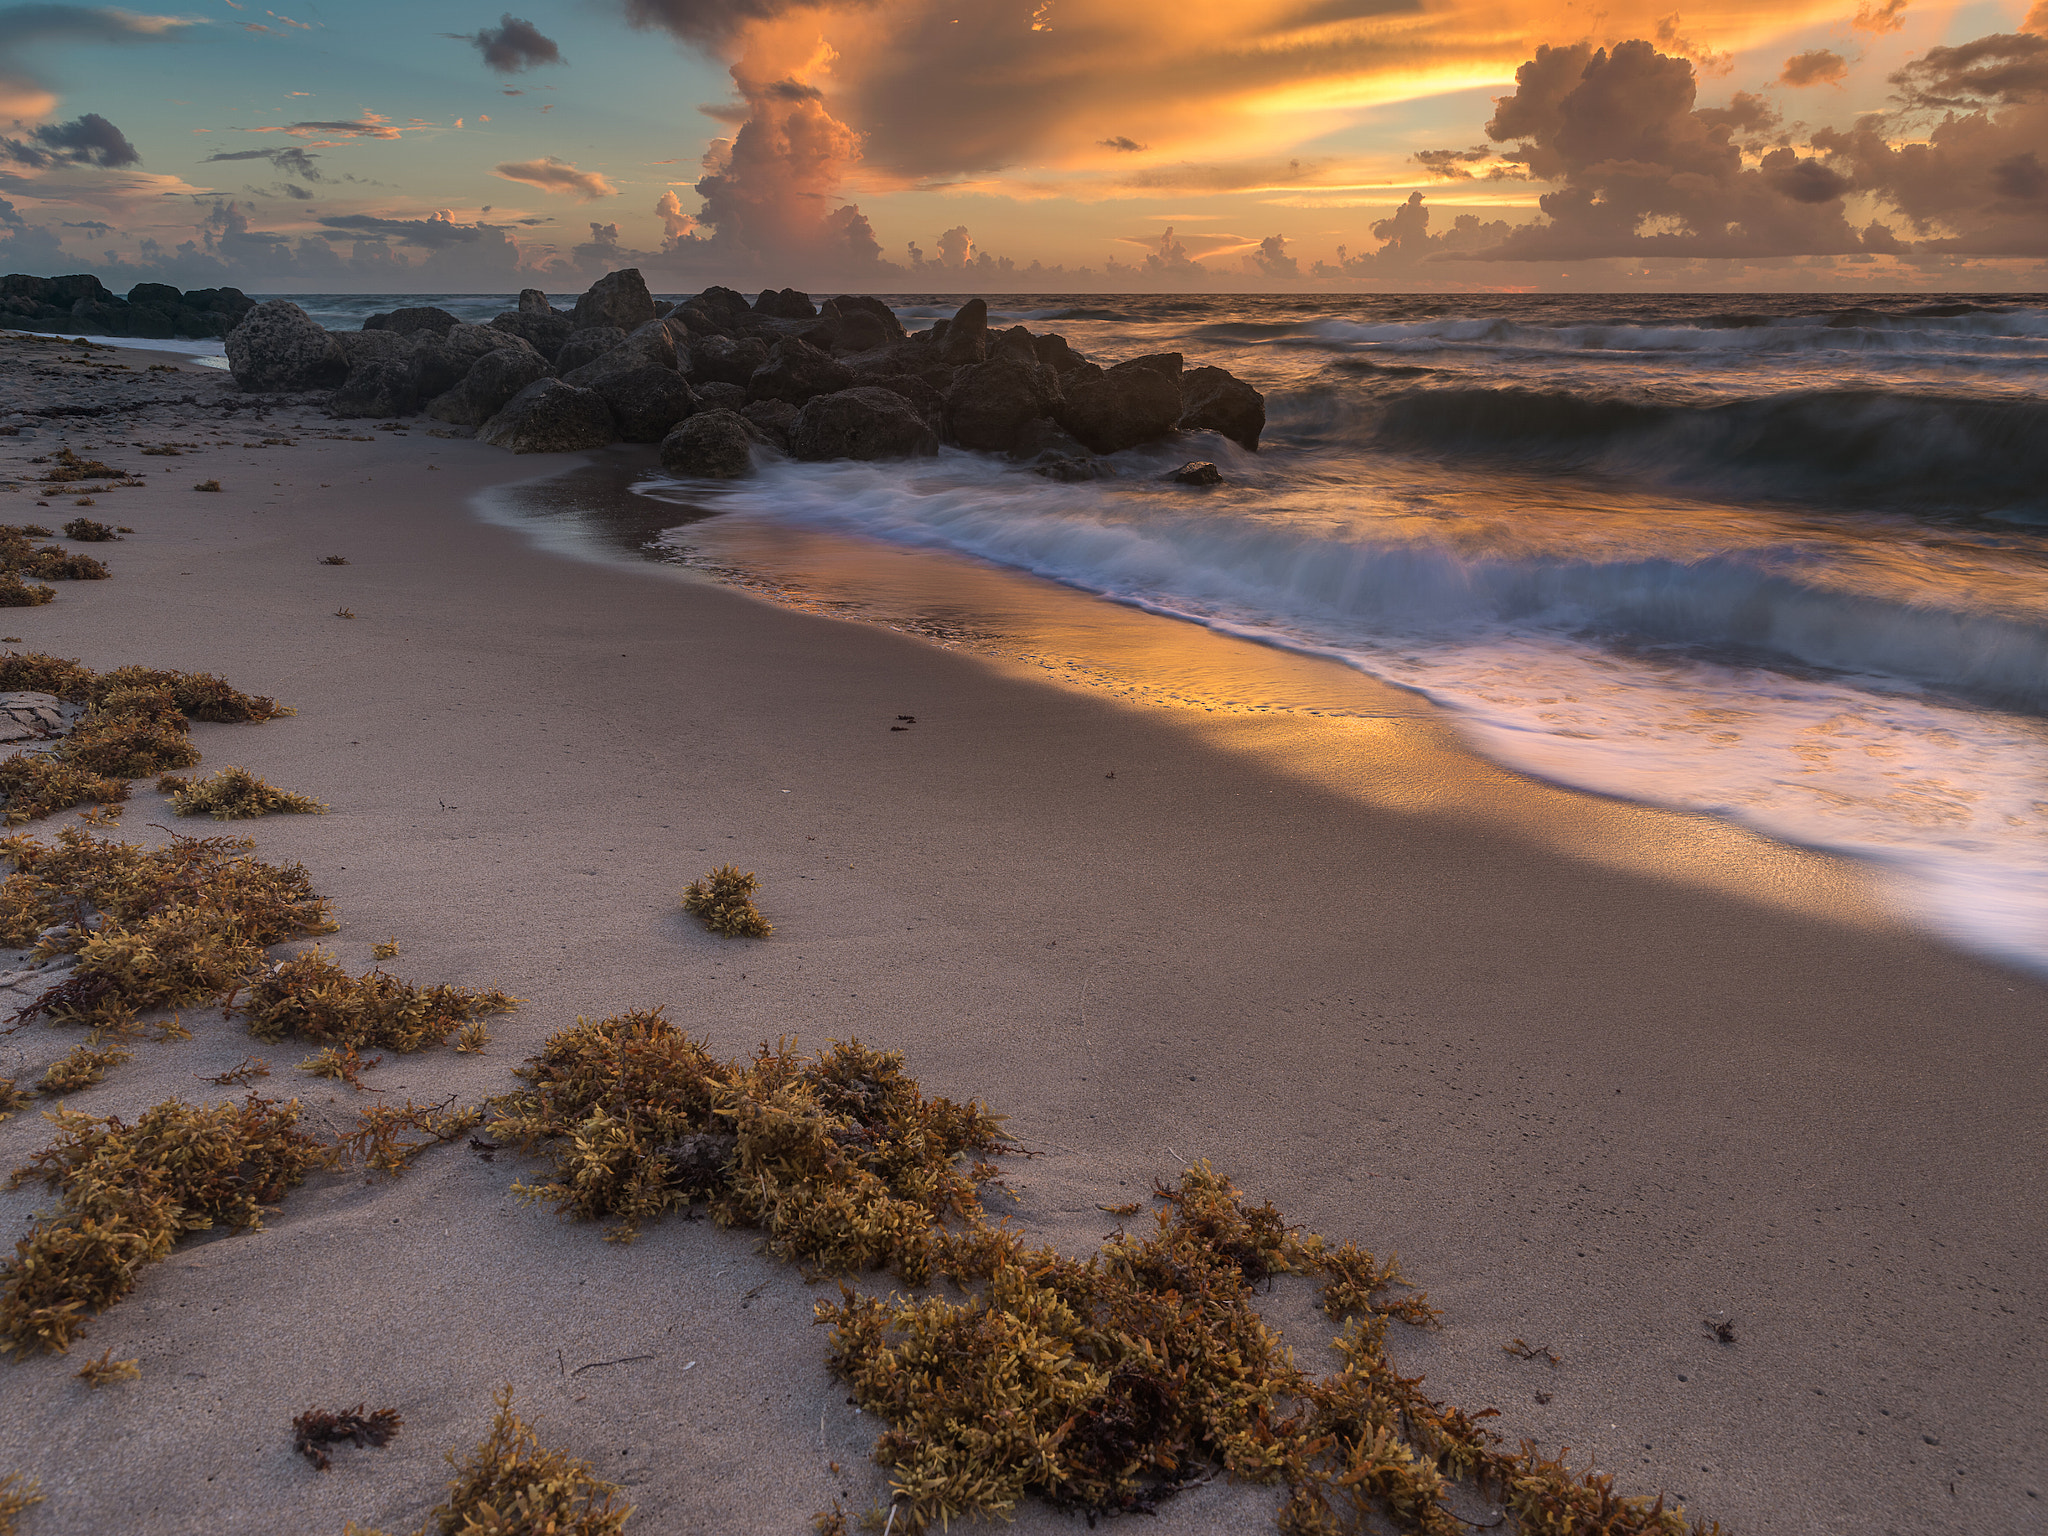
(1781, 559)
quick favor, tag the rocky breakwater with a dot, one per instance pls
(82, 305)
(717, 381)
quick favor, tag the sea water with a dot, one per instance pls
(1776, 558)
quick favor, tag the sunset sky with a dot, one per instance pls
(950, 145)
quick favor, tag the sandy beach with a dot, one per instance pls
(1601, 1074)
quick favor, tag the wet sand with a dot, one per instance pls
(1599, 1073)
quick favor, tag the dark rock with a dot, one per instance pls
(1195, 472)
(795, 371)
(1120, 408)
(1167, 363)
(663, 309)
(534, 304)
(488, 387)
(646, 401)
(360, 347)
(439, 364)
(774, 418)
(278, 346)
(850, 304)
(722, 304)
(858, 332)
(697, 321)
(863, 423)
(934, 335)
(966, 336)
(653, 345)
(720, 397)
(1054, 352)
(1016, 342)
(549, 416)
(726, 359)
(912, 358)
(1046, 439)
(586, 345)
(545, 333)
(785, 305)
(1214, 400)
(930, 403)
(1087, 467)
(376, 387)
(712, 445)
(990, 401)
(618, 298)
(405, 321)
(155, 296)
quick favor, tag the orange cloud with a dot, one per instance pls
(552, 175)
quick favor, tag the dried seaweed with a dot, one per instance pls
(16, 1494)
(128, 1193)
(724, 900)
(32, 785)
(106, 1370)
(152, 928)
(316, 1429)
(512, 1486)
(81, 1067)
(310, 997)
(341, 1062)
(13, 1097)
(241, 1074)
(388, 1137)
(54, 563)
(233, 794)
(842, 1159)
(16, 593)
(86, 531)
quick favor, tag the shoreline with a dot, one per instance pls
(1386, 1001)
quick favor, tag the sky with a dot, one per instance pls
(409, 146)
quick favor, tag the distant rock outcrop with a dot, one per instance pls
(81, 304)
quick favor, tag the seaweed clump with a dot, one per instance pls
(316, 1429)
(311, 997)
(841, 1159)
(233, 794)
(16, 1494)
(137, 725)
(152, 928)
(16, 593)
(127, 1193)
(1106, 1384)
(86, 531)
(724, 900)
(512, 1485)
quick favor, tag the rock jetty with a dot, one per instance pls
(716, 380)
(82, 304)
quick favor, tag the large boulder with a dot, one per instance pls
(360, 347)
(1015, 342)
(1168, 363)
(695, 319)
(1120, 408)
(377, 386)
(1056, 354)
(278, 346)
(653, 345)
(618, 298)
(711, 445)
(645, 401)
(1215, 400)
(489, 385)
(545, 333)
(724, 305)
(863, 423)
(965, 339)
(930, 402)
(990, 401)
(549, 416)
(424, 317)
(585, 345)
(773, 419)
(785, 305)
(720, 397)
(847, 305)
(726, 359)
(534, 304)
(794, 371)
(440, 363)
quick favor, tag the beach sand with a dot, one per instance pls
(1599, 1073)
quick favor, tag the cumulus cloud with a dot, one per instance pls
(1122, 145)
(24, 94)
(1640, 172)
(1407, 244)
(1817, 66)
(1878, 19)
(1271, 259)
(1976, 181)
(675, 224)
(511, 46)
(553, 175)
(87, 140)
